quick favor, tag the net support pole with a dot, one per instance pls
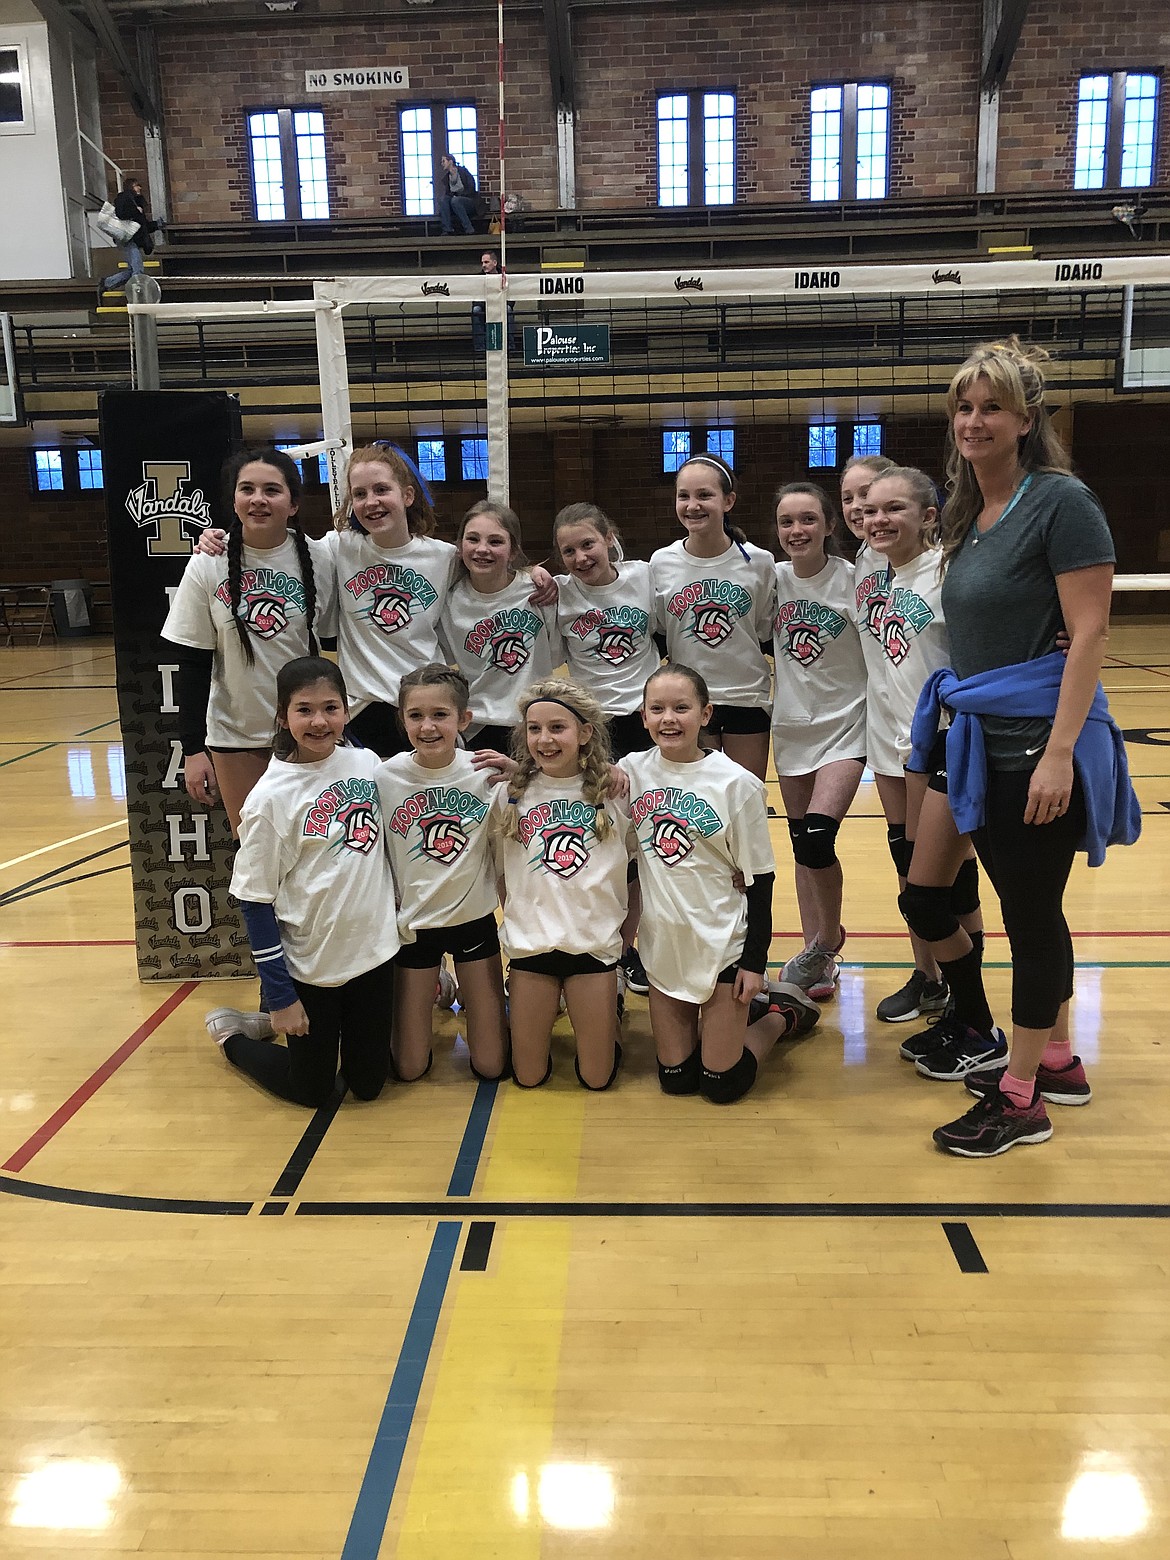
(495, 317)
(336, 419)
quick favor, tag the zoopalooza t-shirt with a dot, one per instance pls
(913, 639)
(871, 578)
(608, 635)
(241, 712)
(437, 825)
(501, 643)
(696, 825)
(715, 613)
(818, 715)
(566, 889)
(313, 846)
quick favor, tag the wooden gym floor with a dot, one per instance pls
(462, 1322)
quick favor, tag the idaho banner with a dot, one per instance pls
(161, 456)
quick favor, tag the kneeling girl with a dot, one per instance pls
(564, 861)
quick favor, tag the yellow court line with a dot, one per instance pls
(118, 823)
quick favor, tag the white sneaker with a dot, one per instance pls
(225, 1021)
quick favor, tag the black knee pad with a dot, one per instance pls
(724, 1088)
(928, 913)
(541, 1084)
(598, 1088)
(683, 1078)
(817, 847)
(796, 835)
(901, 849)
(965, 889)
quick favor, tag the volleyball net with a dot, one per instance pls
(786, 371)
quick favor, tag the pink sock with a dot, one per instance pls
(1018, 1090)
(1058, 1054)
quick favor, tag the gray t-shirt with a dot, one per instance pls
(1000, 600)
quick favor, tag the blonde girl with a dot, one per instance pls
(716, 593)
(437, 808)
(497, 635)
(818, 721)
(563, 859)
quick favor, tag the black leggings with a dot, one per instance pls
(354, 1019)
(1028, 865)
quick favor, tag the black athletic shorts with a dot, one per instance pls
(937, 765)
(738, 720)
(627, 734)
(378, 729)
(497, 738)
(467, 944)
(562, 966)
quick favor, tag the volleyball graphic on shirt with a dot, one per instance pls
(670, 839)
(352, 803)
(803, 629)
(359, 825)
(506, 639)
(871, 599)
(396, 594)
(904, 617)
(267, 599)
(510, 651)
(616, 643)
(442, 838)
(390, 608)
(713, 606)
(265, 614)
(565, 851)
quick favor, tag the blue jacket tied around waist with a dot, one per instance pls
(1028, 689)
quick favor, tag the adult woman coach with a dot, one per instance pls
(1034, 768)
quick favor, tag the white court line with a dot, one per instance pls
(119, 823)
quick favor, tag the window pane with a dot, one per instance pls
(432, 459)
(873, 141)
(475, 460)
(825, 181)
(718, 148)
(323, 468)
(11, 101)
(1139, 135)
(1092, 133)
(418, 186)
(461, 139)
(267, 177)
(673, 169)
(309, 136)
(676, 448)
(822, 444)
(721, 442)
(867, 439)
(50, 477)
(89, 468)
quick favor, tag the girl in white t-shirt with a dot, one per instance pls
(437, 806)
(317, 892)
(925, 993)
(500, 639)
(606, 615)
(716, 593)
(700, 820)
(900, 517)
(563, 855)
(818, 722)
(235, 621)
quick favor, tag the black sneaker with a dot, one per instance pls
(973, 1053)
(636, 978)
(993, 1126)
(797, 1006)
(943, 1032)
(919, 997)
(1057, 1085)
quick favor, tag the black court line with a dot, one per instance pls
(273, 1207)
(477, 1247)
(311, 1139)
(965, 1248)
(59, 687)
(15, 899)
(67, 866)
(39, 1192)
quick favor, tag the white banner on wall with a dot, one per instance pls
(359, 78)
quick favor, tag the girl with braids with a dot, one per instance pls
(1033, 768)
(925, 993)
(498, 635)
(235, 621)
(563, 857)
(716, 593)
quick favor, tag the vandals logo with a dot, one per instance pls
(871, 598)
(160, 504)
(507, 638)
(395, 595)
(621, 631)
(804, 628)
(904, 618)
(714, 605)
(353, 805)
(266, 595)
(675, 818)
(446, 817)
(566, 828)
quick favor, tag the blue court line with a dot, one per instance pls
(372, 1509)
(467, 1159)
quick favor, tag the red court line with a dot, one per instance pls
(114, 942)
(33, 1145)
(777, 935)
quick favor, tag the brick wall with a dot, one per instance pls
(1059, 44)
